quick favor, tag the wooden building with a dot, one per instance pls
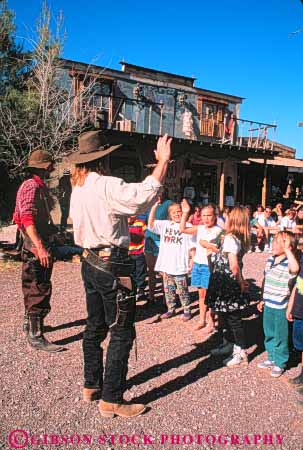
(136, 105)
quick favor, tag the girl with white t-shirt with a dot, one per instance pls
(173, 259)
(208, 239)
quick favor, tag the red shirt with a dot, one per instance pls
(31, 201)
(136, 231)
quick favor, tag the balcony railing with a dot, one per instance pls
(125, 114)
(144, 116)
(237, 131)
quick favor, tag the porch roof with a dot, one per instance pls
(279, 161)
(146, 143)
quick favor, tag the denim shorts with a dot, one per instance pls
(297, 334)
(200, 275)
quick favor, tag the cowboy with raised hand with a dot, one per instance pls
(100, 207)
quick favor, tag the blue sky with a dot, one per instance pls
(245, 48)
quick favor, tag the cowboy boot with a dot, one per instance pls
(111, 410)
(36, 338)
(91, 394)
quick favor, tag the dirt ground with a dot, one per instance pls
(194, 402)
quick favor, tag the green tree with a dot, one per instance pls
(13, 61)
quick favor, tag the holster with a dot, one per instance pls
(126, 307)
(120, 271)
(118, 266)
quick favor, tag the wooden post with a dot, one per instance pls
(264, 186)
(222, 183)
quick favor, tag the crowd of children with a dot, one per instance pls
(207, 248)
(268, 221)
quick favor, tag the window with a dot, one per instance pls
(209, 110)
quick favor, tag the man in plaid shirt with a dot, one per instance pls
(32, 216)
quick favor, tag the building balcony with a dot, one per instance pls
(237, 131)
(141, 115)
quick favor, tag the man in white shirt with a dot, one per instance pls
(100, 206)
(269, 227)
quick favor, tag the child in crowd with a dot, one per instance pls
(256, 230)
(278, 211)
(259, 212)
(195, 218)
(136, 229)
(294, 313)
(208, 239)
(173, 259)
(299, 220)
(152, 243)
(269, 227)
(288, 223)
(227, 292)
(222, 217)
(280, 269)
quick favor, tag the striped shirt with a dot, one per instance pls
(136, 231)
(276, 283)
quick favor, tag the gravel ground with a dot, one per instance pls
(188, 392)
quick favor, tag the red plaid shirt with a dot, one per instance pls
(28, 202)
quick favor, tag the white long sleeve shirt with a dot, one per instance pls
(99, 209)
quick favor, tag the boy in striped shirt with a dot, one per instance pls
(136, 229)
(280, 270)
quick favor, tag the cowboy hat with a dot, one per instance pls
(39, 159)
(92, 146)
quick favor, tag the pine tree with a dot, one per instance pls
(13, 61)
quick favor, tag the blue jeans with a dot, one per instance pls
(297, 334)
(109, 309)
(140, 271)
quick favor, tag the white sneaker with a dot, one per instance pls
(276, 372)
(237, 359)
(258, 250)
(267, 248)
(226, 348)
(267, 364)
